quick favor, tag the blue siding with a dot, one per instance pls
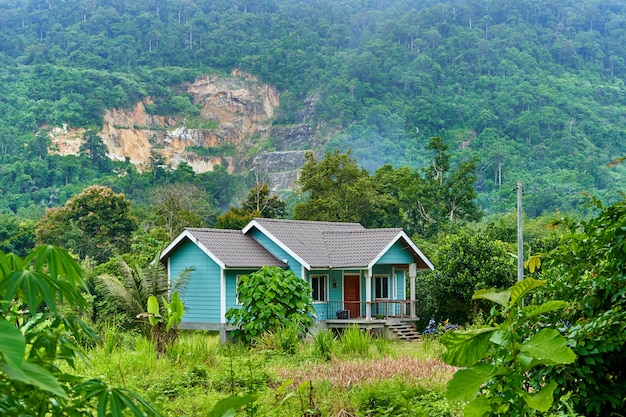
(231, 286)
(396, 255)
(277, 251)
(334, 295)
(401, 284)
(202, 298)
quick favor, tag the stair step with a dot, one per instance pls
(405, 332)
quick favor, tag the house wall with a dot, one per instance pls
(334, 294)
(396, 254)
(231, 286)
(202, 298)
(277, 251)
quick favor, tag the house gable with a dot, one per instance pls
(202, 297)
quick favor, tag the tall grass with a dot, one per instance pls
(199, 371)
(355, 342)
(196, 348)
(324, 344)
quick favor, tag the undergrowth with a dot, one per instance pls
(325, 376)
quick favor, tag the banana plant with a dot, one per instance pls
(164, 321)
(498, 360)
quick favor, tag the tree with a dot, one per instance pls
(235, 219)
(270, 298)
(94, 148)
(260, 203)
(133, 285)
(37, 337)
(339, 190)
(16, 236)
(177, 206)
(261, 200)
(445, 196)
(96, 223)
(466, 262)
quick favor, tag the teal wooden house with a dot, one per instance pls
(357, 275)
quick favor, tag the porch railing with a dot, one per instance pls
(379, 309)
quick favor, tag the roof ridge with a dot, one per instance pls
(209, 229)
(381, 229)
(266, 219)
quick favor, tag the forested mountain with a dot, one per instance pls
(535, 88)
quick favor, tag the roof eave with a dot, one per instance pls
(258, 226)
(402, 235)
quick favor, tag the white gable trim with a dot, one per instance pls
(186, 234)
(404, 236)
(273, 238)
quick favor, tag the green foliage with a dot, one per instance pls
(164, 320)
(536, 98)
(260, 203)
(502, 362)
(37, 338)
(134, 286)
(271, 298)
(588, 269)
(284, 339)
(340, 190)
(324, 344)
(181, 205)
(355, 342)
(95, 224)
(223, 149)
(466, 262)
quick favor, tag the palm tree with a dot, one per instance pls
(136, 284)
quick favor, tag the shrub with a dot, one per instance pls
(271, 298)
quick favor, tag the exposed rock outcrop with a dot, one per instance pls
(236, 110)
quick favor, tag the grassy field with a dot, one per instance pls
(353, 375)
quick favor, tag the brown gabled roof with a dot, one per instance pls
(231, 248)
(304, 239)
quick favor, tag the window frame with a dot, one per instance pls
(386, 290)
(237, 279)
(323, 278)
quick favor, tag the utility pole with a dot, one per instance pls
(520, 234)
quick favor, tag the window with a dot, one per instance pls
(381, 283)
(237, 282)
(318, 285)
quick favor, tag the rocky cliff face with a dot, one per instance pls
(240, 106)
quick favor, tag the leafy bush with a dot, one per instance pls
(466, 261)
(503, 361)
(37, 339)
(589, 269)
(271, 298)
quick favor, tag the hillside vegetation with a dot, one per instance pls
(535, 88)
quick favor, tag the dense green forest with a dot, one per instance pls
(534, 88)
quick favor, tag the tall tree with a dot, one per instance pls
(177, 206)
(339, 190)
(96, 223)
(444, 196)
(94, 148)
(260, 203)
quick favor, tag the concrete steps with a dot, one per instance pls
(405, 332)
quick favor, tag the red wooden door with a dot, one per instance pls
(352, 295)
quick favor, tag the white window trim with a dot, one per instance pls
(325, 277)
(237, 278)
(389, 290)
